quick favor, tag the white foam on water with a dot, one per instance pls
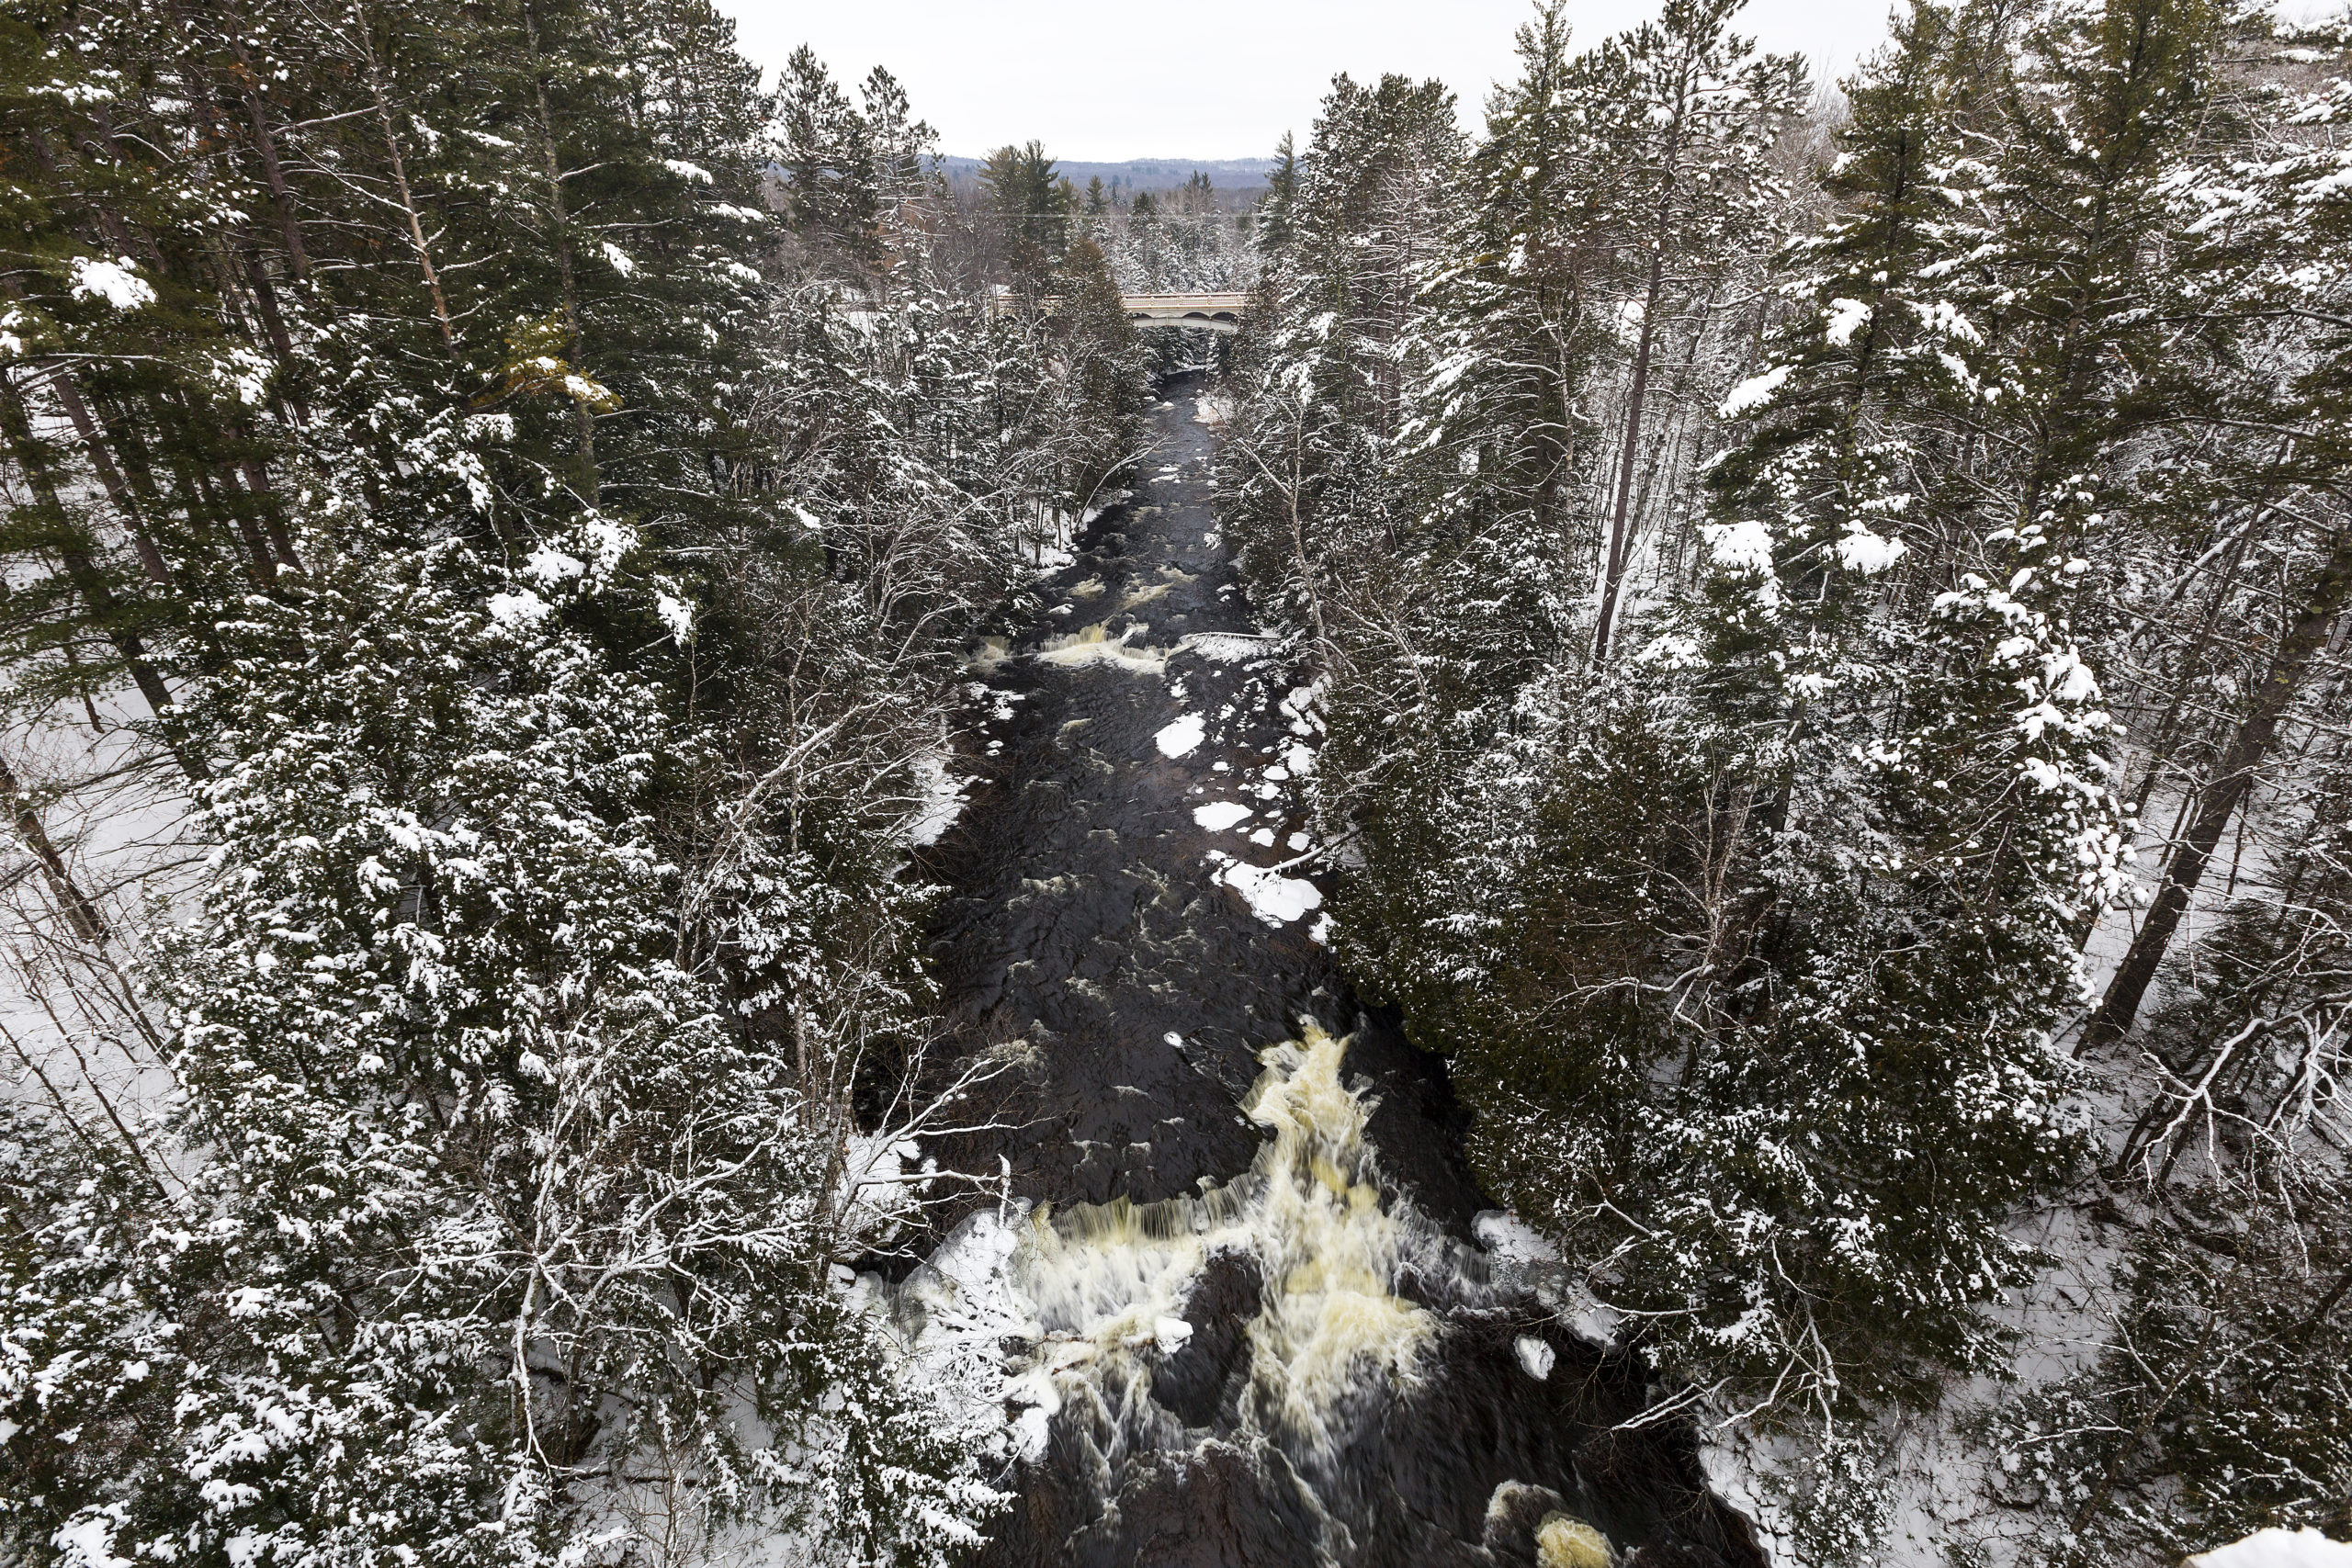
(1068, 1314)
(1094, 645)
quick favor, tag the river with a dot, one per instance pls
(1233, 1293)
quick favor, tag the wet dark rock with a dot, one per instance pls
(1513, 1514)
(1217, 1507)
(1201, 1382)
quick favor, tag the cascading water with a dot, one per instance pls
(1229, 1307)
(1091, 1300)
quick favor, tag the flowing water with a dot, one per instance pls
(1233, 1302)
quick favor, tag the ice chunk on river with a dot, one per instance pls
(1217, 816)
(1272, 896)
(1181, 737)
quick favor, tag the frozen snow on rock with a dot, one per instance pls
(878, 1190)
(1302, 705)
(1522, 1257)
(940, 798)
(2279, 1549)
(957, 1310)
(1272, 896)
(1535, 1356)
(1217, 816)
(1512, 1239)
(112, 281)
(1181, 737)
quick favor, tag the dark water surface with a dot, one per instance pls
(1335, 1377)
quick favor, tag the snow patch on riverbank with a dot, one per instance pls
(2279, 1549)
(939, 800)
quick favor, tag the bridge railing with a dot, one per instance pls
(1222, 309)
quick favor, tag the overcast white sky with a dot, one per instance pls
(1107, 81)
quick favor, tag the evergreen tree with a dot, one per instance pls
(826, 151)
(1029, 208)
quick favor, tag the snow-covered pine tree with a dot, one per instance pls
(827, 157)
(1309, 491)
(1677, 118)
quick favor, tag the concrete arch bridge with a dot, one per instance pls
(1204, 312)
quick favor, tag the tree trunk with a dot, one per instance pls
(2224, 793)
(583, 417)
(298, 257)
(1616, 570)
(273, 516)
(1620, 520)
(93, 444)
(400, 187)
(80, 912)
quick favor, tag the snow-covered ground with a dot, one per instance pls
(120, 818)
(2279, 1549)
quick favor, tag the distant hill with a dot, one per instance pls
(1147, 174)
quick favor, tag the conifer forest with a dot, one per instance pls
(1638, 856)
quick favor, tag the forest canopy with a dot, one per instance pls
(1820, 607)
